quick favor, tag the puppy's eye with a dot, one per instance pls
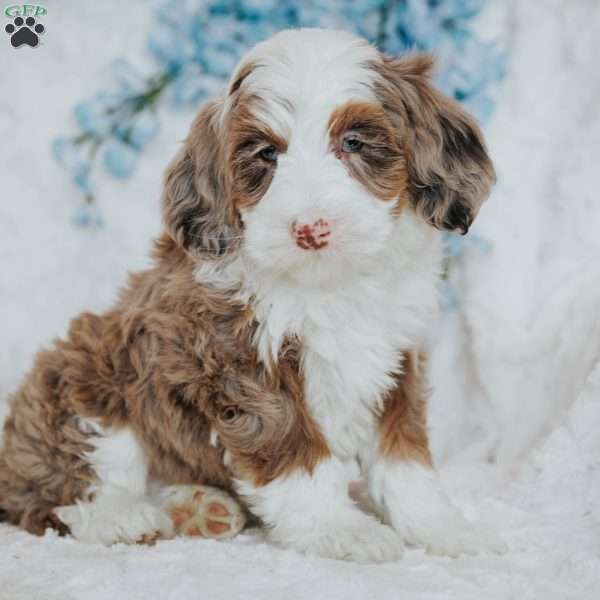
(351, 144)
(230, 413)
(269, 154)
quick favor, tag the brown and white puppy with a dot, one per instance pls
(276, 343)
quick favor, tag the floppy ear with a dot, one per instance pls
(450, 172)
(197, 210)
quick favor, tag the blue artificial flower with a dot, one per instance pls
(221, 8)
(93, 116)
(192, 86)
(171, 48)
(67, 153)
(260, 8)
(481, 106)
(88, 216)
(454, 244)
(457, 245)
(128, 80)
(119, 158)
(143, 129)
(74, 157)
(81, 178)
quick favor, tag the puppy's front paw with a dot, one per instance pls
(410, 498)
(363, 540)
(450, 534)
(472, 538)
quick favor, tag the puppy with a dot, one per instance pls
(277, 342)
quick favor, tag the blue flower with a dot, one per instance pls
(255, 10)
(119, 158)
(67, 153)
(457, 245)
(74, 157)
(171, 48)
(480, 105)
(127, 79)
(81, 178)
(192, 86)
(88, 216)
(454, 244)
(143, 129)
(92, 117)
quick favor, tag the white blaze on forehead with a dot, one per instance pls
(302, 75)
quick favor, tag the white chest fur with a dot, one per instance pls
(352, 346)
(353, 334)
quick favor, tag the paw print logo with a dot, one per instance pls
(24, 32)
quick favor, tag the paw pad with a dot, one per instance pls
(218, 509)
(202, 511)
(217, 528)
(24, 32)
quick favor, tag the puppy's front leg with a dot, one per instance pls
(402, 481)
(312, 513)
(284, 470)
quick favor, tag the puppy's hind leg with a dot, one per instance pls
(41, 466)
(118, 509)
(124, 508)
(21, 504)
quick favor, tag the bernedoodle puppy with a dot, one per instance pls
(275, 348)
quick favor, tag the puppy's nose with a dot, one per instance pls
(311, 236)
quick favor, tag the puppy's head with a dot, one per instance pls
(317, 149)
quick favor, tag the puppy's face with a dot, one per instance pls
(320, 146)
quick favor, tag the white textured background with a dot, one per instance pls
(515, 415)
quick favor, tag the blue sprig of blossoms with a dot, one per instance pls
(197, 43)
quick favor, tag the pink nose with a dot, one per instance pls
(311, 237)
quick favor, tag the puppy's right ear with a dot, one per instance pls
(197, 210)
(450, 171)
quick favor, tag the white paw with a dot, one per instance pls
(362, 540)
(202, 511)
(411, 499)
(452, 535)
(110, 519)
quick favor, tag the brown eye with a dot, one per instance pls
(351, 144)
(230, 413)
(269, 154)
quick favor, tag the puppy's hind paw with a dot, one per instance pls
(203, 511)
(116, 519)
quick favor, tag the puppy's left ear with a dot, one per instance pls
(197, 210)
(450, 172)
